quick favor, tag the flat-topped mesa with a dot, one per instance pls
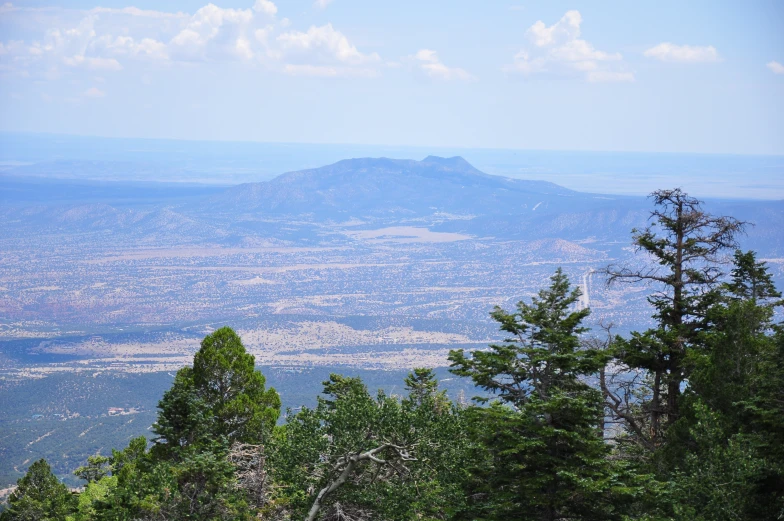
(456, 162)
(385, 186)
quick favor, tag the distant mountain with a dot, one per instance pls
(389, 187)
(442, 194)
(449, 194)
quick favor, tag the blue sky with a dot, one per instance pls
(616, 76)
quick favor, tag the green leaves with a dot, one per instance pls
(399, 459)
(221, 396)
(542, 353)
(39, 496)
(545, 457)
(224, 377)
(97, 467)
(687, 244)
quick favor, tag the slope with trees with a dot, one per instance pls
(684, 421)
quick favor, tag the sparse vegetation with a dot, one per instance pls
(680, 422)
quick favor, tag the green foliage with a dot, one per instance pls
(422, 386)
(719, 476)
(545, 458)
(39, 496)
(199, 485)
(184, 418)
(713, 370)
(699, 397)
(221, 396)
(751, 279)
(686, 243)
(96, 468)
(93, 494)
(727, 450)
(396, 459)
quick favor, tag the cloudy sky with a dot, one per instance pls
(613, 75)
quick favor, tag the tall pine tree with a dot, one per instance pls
(686, 245)
(546, 457)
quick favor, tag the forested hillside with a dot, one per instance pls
(682, 421)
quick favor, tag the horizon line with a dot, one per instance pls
(347, 144)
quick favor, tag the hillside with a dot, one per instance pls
(389, 187)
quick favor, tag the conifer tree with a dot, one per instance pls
(543, 435)
(726, 450)
(687, 245)
(221, 396)
(751, 279)
(39, 496)
(97, 467)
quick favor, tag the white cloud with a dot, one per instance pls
(106, 38)
(321, 51)
(128, 46)
(135, 11)
(669, 52)
(322, 4)
(558, 50)
(775, 67)
(325, 43)
(93, 64)
(429, 62)
(565, 29)
(94, 92)
(12, 47)
(242, 48)
(266, 7)
(214, 33)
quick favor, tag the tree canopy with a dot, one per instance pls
(222, 395)
(683, 421)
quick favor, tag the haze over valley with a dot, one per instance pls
(369, 265)
(335, 260)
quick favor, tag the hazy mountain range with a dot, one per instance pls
(360, 265)
(444, 194)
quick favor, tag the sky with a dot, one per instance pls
(666, 76)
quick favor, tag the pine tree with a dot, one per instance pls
(221, 396)
(422, 387)
(546, 453)
(97, 467)
(687, 244)
(39, 496)
(726, 450)
(751, 279)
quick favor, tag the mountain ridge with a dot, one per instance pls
(383, 186)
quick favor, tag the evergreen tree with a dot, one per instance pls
(97, 467)
(422, 387)
(751, 279)
(358, 456)
(726, 450)
(221, 396)
(726, 365)
(199, 484)
(546, 456)
(687, 244)
(184, 418)
(39, 496)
